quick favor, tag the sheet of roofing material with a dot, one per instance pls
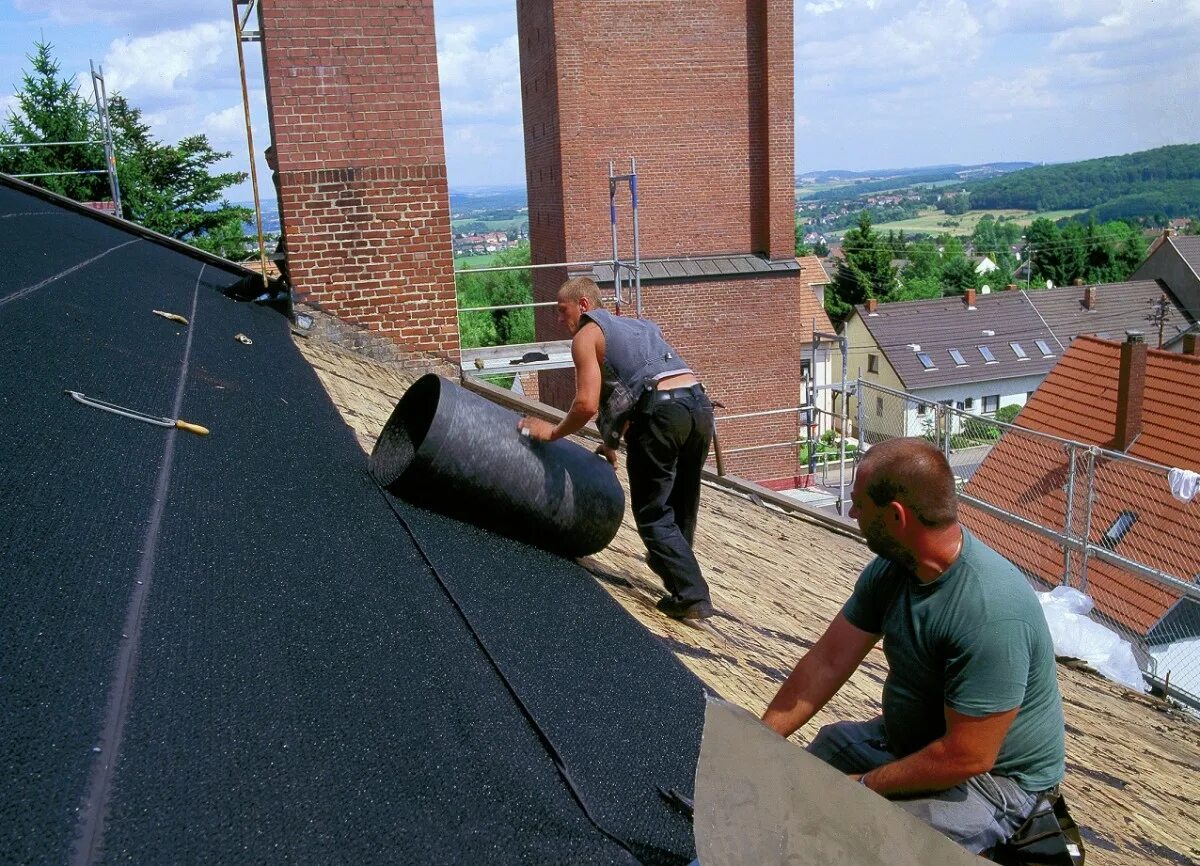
(762, 799)
(248, 634)
(450, 449)
(623, 726)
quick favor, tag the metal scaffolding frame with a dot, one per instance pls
(106, 140)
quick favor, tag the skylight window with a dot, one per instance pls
(1119, 528)
(1018, 351)
(1044, 348)
(959, 360)
(988, 357)
(926, 361)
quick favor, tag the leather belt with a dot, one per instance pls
(676, 393)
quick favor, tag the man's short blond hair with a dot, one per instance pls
(578, 288)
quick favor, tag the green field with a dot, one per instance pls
(934, 222)
(504, 225)
(902, 183)
(484, 261)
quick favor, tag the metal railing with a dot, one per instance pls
(1073, 514)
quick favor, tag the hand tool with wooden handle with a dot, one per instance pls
(137, 416)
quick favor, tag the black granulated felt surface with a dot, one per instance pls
(301, 688)
(624, 714)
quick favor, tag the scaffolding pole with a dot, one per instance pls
(613, 180)
(240, 36)
(110, 154)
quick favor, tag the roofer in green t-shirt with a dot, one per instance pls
(972, 726)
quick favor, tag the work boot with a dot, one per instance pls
(679, 609)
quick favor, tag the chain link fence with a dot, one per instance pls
(1071, 514)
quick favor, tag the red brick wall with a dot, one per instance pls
(745, 340)
(356, 120)
(701, 95)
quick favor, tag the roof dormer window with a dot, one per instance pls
(959, 360)
(988, 357)
(926, 361)
(1018, 351)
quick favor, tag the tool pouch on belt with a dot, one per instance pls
(617, 405)
(1049, 837)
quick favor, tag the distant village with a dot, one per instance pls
(484, 243)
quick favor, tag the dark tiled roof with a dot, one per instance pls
(1119, 307)
(1078, 400)
(700, 266)
(1189, 249)
(942, 324)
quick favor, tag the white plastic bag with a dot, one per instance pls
(1077, 636)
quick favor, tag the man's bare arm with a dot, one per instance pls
(969, 747)
(586, 349)
(818, 675)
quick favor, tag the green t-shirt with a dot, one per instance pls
(975, 640)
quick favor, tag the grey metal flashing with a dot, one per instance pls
(709, 267)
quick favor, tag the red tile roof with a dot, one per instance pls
(1027, 476)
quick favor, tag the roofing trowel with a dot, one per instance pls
(137, 416)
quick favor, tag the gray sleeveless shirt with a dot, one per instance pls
(635, 358)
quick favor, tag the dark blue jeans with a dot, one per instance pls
(667, 446)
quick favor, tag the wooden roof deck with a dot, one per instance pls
(777, 579)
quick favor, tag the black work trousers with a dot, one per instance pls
(667, 444)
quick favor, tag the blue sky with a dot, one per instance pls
(879, 83)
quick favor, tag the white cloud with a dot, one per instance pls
(478, 80)
(1005, 97)
(1039, 17)
(170, 63)
(866, 46)
(227, 123)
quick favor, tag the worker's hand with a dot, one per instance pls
(536, 428)
(609, 454)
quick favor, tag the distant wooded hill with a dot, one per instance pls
(863, 183)
(1160, 182)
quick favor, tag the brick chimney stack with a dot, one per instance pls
(1131, 387)
(872, 305)
(969, 299)
(1089, 298)
(1078, 281)
(1011, 287)
(1190, 346)
(352, 92)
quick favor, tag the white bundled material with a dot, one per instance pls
(1077, 636)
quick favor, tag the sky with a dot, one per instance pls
(879, 83)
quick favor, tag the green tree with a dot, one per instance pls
(802, 249)
(50, 108)
(922, 277)
(497, 288)
(171, 189)
(865, 271)
(167, 188)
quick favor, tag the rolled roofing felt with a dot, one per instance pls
(450, 450)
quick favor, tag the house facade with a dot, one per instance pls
(1175, 260)
(974, 352)
(981, 352)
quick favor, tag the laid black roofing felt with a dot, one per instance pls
(237, 649)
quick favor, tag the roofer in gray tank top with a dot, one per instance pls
(627, 373)
(971, 734)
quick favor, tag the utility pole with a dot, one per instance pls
(1159, 317)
